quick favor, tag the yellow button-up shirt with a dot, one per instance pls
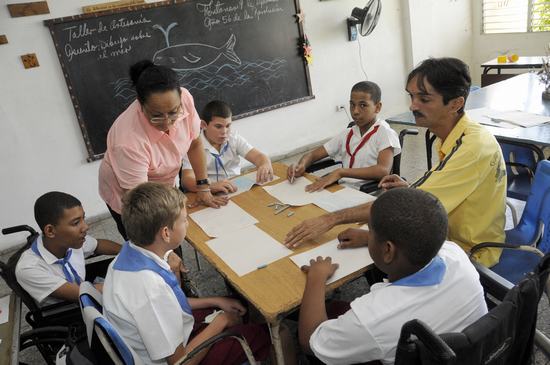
(470, 183)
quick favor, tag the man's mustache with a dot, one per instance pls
(417, 114)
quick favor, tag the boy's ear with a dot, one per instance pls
(378, 107)
(49, 230)
(203, 124)
(164, 233)
(389, 252)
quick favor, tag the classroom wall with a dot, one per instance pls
(41, 145)
(488, 46)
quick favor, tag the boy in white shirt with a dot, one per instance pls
(426, 276)
(366, 149)
(142, 296)
(224, 148)
(53, 267)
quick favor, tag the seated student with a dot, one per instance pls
(366, 149)
(143, 299)
(224, 148)
(53, 267)
(428, 278)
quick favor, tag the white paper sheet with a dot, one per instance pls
(349, 260)
(245, 183)
(295, 194)
(5, 308)
(217, 222)
(343, 199)
(248, 249)
(506, 119)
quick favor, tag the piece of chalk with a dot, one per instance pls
(262, 266)
(290, 214)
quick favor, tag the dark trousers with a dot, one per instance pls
(229, 351)
(118, 221)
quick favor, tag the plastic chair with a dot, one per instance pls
(369, 186)
(527, 242)
(503, 336)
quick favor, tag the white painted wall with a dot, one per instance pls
(41, 146)
(488, 46)
(438, 28)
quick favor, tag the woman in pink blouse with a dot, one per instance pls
(149, 139)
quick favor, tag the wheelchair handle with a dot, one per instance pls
(21, 228)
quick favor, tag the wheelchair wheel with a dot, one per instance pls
(47, 340)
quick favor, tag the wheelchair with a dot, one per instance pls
(51, 324)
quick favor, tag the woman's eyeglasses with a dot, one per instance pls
(171, 117)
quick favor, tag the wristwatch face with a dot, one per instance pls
(203, 182)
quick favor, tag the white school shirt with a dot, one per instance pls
(40, 277)
(231, 158)
(145, 311)
(367, 156)
(370, 329)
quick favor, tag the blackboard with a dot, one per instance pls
(246, 52)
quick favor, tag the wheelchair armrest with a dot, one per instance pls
(20, 228)
(493, 283)
(213, 340)
(433, 343)
(511, 246)
(321, 164)
(369, 187)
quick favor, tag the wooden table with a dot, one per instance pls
(277, 289)
(9, 333)
(522, 92)
(522, 63)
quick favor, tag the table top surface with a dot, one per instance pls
(522, 62)
(522, 92)
(278, 288)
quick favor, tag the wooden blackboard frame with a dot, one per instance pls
(93, 155)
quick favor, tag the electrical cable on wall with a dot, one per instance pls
(361, 59)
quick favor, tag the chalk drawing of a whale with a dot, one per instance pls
(192, 56)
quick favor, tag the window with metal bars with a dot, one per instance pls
(515, 16)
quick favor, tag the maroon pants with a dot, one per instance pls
(229, 351)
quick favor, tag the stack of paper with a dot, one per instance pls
(248, 249)
(245, 183)
(349, 259)
(218, 222)
(295, 193)
(342, 199)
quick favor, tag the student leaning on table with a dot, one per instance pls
(223, 149)
(148, 141)
(470, 179)
(426, 277)
(143, 299)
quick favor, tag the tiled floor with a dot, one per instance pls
(210, 282)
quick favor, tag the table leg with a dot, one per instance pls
(276, 341)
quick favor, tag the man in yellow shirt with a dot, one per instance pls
(469, 179)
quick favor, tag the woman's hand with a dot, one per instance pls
(206, 198)
(224, 186)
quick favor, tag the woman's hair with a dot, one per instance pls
(149, 78)
(149, 207)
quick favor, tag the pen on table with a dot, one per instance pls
(498, 120)
(262, 266)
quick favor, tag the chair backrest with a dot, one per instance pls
(517, 154)
(537, 209)
(105, 342)
(503, 336)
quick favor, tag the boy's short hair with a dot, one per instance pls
(370, 88)
(149, 207)
(216, 108)
(50, 207)
(449, 76)
(414, 220)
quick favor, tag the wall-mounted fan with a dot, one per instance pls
(365, 18)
